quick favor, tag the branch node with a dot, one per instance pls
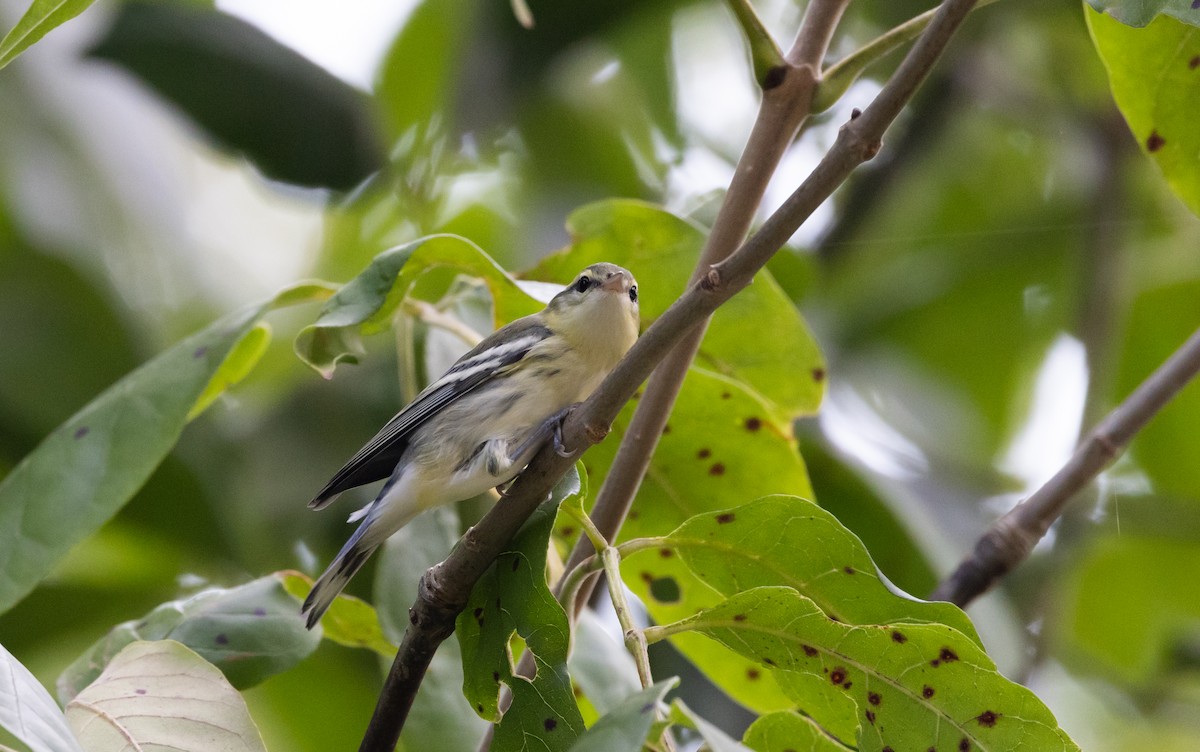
(1109, 449)
(711, 281)
(1007, 543)
(595, 432)
(774, 77)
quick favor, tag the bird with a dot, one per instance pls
(478, 425)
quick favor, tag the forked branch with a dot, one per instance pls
(445, 588)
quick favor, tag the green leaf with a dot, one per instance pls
(786, 540)
(39, 19)
(90, 466)
(788, 730)
(786, 368)
(440, 716)
(349, 621)
(718, 440)
(627, 725)
(238, 364)
(250, 632)
(1142, 12)
(881, 526)
(293, 119)
(514, 597)
(1153, 73)
(915, 686)
(1120, 613)
(162, 695)
(28, 712)
(366, 303)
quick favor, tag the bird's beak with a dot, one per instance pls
(617, 282)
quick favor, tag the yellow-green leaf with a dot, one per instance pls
(915, 686)
(366, 303)
(41, 17)
(1154, 74)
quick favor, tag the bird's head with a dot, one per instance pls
(600, 307)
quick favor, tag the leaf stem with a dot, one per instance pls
(635, 641)
(434, 316)
(837, 78)
(764, 53)
(585, 522)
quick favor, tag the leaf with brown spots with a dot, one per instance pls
(785, 540)
(880, 676)
(516, 599)
(186, 704)
(250, 632)
(1153, 81)
(678, 487)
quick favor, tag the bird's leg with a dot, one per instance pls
(551, 428)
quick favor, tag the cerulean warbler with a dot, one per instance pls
(477, 426)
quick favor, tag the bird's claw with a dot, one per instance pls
(559, 447)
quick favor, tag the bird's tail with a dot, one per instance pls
(344, 566)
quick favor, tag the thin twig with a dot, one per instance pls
(435, 317)
(635, 642)
(837, 78)
(1008, 541)
(444, 589)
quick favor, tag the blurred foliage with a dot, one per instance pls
(291, 118)
(937, 284)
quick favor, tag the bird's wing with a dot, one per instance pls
(378, 459)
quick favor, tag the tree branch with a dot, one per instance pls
(445, 588)
(1010, 539)
(781, 113)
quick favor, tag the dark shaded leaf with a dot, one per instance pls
(907, 686)
(1142, 12)
(250, 632)
(294, 120)
(440, 716)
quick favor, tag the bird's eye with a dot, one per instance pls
(633, 294)
(583, 284)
